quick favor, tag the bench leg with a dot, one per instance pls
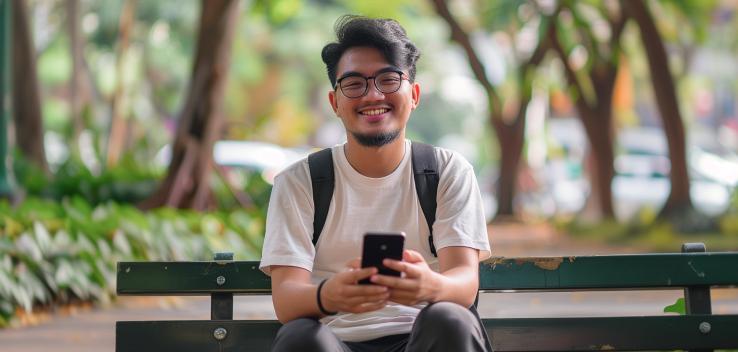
(697, 299)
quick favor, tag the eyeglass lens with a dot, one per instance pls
(356, 86)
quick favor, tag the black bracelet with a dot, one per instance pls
(320, 303)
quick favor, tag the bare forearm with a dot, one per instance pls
(458, 285)
(294, 296)
(294, 300)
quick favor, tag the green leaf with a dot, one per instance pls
(678, 307)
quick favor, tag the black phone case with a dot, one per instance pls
(377, 247)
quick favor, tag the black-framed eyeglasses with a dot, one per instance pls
(356, 86)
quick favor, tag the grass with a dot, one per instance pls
(650, 234)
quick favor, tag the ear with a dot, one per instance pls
(332, 100)
(416, 94)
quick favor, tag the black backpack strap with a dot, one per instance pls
(322, 178)
(425, 171)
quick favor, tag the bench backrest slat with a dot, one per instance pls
(610, 271)
(191, 278)
(497, 274)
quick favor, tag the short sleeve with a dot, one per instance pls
(288, 235)
(460, 217)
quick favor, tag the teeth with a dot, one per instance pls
(374, 111)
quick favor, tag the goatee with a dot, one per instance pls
(376, 140)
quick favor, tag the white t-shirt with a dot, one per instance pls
(363, 204)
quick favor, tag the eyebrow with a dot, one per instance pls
(354, 73)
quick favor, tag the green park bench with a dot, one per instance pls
(694, 270)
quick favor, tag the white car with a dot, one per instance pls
(266, 158)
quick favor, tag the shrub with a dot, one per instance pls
(58, 252)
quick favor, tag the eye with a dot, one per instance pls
(389, 80)
(352, 83)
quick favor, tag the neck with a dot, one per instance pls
(375, 161)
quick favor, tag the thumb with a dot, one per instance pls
(354, 263)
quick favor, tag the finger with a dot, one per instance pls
(394, 282)
(356, 275)
(364, 290)
(409, 269)
(354, 263)
(412, 256)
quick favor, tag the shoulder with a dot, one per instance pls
(451, 162)
(297, 173)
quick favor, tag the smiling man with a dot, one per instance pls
(311, 246)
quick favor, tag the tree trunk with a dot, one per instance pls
(186, 183)
(75, 49)
(116, 138)
(666, 99)
(29, 134)
(602, 171)
(510, 136)
(597, 119)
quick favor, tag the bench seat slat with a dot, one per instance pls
(194, 335)
(613, 333)
(497, 274)
(513, 334)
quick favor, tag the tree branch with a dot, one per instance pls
(571, 75)
(462, 38)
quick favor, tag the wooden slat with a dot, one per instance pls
(613, 333)
(610, 272)
(194, 335)
(498, 274)
(191, 278)
(513, 334)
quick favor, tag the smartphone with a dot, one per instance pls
(378, 246)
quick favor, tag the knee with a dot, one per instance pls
(447, 319)
(303, 334)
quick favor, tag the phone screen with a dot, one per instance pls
(377, 247)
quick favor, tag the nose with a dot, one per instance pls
(373, 93)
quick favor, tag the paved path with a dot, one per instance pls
(94, 329)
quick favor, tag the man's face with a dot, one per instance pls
(374, 113)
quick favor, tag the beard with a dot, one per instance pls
(376, 140)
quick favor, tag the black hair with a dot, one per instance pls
(386, 35)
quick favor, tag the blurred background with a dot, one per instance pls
(152, 130)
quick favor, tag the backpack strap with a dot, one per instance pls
(425, 171)
(323, 180)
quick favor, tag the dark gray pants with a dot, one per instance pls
(442, 326)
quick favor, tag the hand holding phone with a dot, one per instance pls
(379, 246)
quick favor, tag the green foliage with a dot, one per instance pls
(678, 307)
(127, 182)
(58, 252)
(55, 65)
(729, 221)
(505, 14)
(278, 11)
(396, 9)
(697, 13)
